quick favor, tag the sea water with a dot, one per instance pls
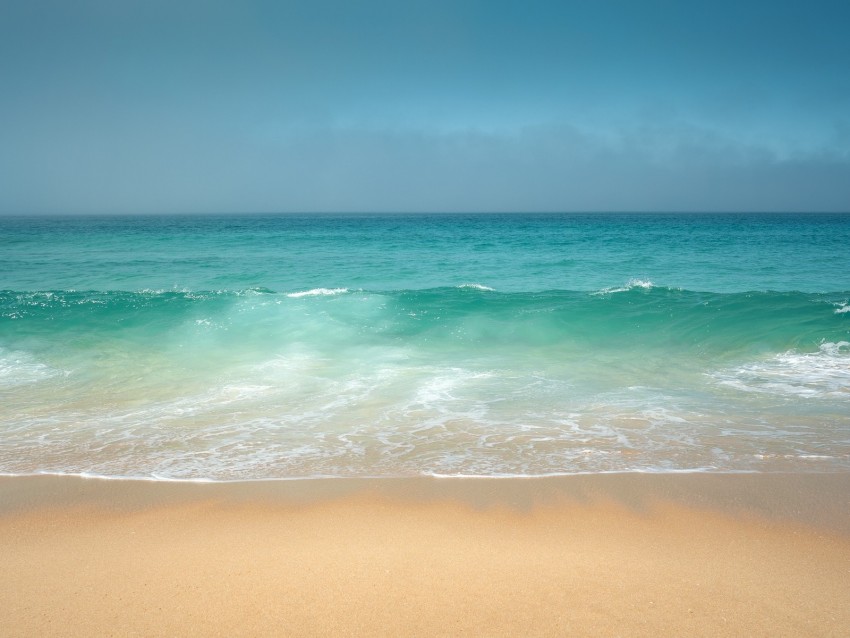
(240, 347)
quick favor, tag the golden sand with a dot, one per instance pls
(605, 555)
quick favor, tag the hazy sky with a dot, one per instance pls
(261, 105)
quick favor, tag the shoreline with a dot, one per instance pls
(820, 500)
(607, 554)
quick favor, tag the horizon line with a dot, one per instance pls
(417, 212)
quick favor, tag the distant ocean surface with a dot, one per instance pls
(296, 346)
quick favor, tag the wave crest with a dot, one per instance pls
(317, 292)
(478, 287)
(631, 284)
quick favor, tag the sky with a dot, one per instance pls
(169, 106)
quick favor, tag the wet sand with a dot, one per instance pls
(631, 555)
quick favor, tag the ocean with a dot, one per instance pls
(248, 347)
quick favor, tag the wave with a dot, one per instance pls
(631, 284)
(640, 315)
(317, 292)
(481, 287)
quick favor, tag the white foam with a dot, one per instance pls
(159, 478)
(21, 368)
(317, 292)
(825, 373)
(631, 284)
(478, 287)
(842, 309)
(301, 414)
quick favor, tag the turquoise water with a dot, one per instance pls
(249, 347)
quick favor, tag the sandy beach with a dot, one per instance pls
(605, 555)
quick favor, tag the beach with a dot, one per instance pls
(424, 319)
(425, 425)
(605, 554)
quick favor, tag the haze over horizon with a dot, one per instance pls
(262, 106)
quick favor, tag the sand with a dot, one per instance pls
(608, 555)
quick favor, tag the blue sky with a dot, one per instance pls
(132, 106)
